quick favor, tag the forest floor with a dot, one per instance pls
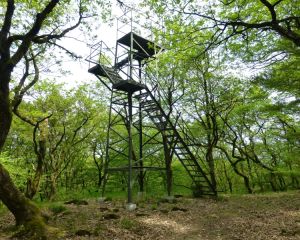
(253, 217)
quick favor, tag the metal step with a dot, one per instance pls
(119, 99)
(181, 153)
(112, 74)
(122, 62)
(156, 116)
(151, 109)
(147, 103)
(142, 95)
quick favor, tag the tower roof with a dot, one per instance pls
(140, 44)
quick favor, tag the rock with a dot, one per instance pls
(102, 199)
(178, 196)
(164, 211)
(77, 202)
(168, 199)
(103, 209)
(141, 214)
(83, 232)
(110, 216)
(179, 209)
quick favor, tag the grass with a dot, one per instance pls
(128, 224)
(57, 208)
(2, 208)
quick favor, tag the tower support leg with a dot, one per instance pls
(130, 148)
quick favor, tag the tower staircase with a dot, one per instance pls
(183, 149)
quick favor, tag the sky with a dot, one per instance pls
(78, 69)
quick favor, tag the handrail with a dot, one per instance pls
(180, 139)
(100, 51)
(181, 123)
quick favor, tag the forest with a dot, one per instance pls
(224, 83)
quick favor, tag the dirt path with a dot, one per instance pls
(253, 217)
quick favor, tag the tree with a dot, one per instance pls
(259, 33)
(228, 19)
(255, 143)
(209, 102)
(265, 34)
(50, 23)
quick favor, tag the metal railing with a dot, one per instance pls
(100, 53)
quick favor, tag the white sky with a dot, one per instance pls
(78, 69)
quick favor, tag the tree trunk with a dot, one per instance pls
(282, 183)
(5, 108)
(33, 185)
(52, 188)
(168, 164)
(246, 179)
(24, 211)
(211, 165)
(273, 182)
(295, 182)
(228, 178)
(169, 174)
(99, 183)
(247, 184)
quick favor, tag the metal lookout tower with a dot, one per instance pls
(135, 108)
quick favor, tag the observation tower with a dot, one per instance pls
(137, 119)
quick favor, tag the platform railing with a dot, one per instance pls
(100, 53)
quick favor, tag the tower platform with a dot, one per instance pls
(144, 47)
(129, 86)
(118, 83)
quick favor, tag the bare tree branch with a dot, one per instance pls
(20, 90)
(72, 54)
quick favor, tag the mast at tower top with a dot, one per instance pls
(136, 41)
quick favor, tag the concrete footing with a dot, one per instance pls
(130, 206)
(170, 199)
(101, 199)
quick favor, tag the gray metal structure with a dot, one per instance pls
(135, 108)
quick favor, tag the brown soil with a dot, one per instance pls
(253, 217)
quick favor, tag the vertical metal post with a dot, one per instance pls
(131, 49)
(130, 117)
(130, 148)
(107, 147)
(131, 57)
(141, 163)
(116, 50)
